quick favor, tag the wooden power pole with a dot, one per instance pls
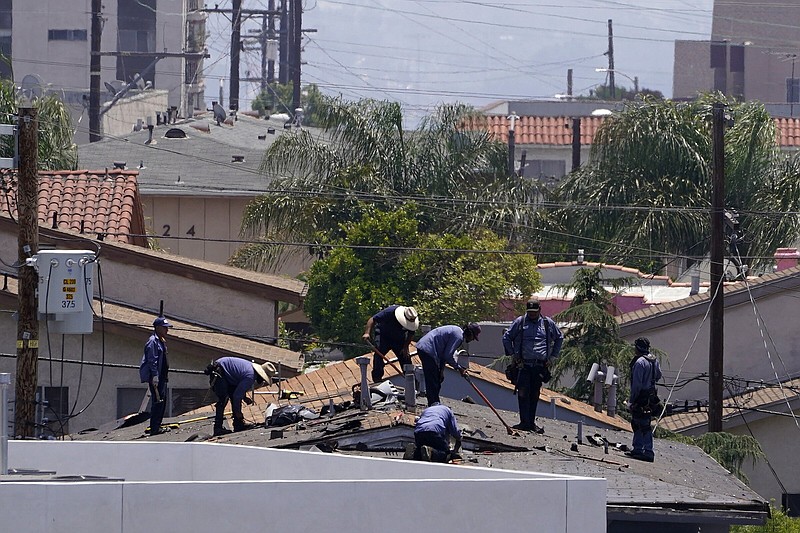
(715, 348)
(28, 245)
(94, 72)
(612, 88)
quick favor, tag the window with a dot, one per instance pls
(791, 504)
(67, 35)
(792, 89)
(54, 412)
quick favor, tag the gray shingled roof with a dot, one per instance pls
(199, 164)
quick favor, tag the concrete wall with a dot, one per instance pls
(121, 118)
(193, 487)
(745, 356)
(192, 299)
(772, 433)
(86, 380)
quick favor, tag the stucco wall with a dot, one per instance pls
(83, 380)
(206, 228)
(214, 487)
(745, 356)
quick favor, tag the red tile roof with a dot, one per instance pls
(93, 202)
(557, 131)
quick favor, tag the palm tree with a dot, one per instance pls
(458, 177)
(57, 151)
(593, 334)
(647, 185)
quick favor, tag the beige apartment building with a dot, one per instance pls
(751, 55)
(49, 44)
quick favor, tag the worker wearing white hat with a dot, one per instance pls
(394, 330)
(231, 378)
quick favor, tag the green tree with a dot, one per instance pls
(649, 183)
(458, 177)
(57, 151)
(378, 262)
(277, 98)
(778, 522)
(593, 334)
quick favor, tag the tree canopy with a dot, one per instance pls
(646, 190)
(457, 177)
(57, 151)
(383, 259)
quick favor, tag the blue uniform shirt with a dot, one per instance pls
(528, 338)
(439, 419)
(441, 343)
(240, 375)
(389, 334)
(154, 360)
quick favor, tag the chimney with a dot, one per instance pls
(786, 258)
(366, 399)
(410, 387)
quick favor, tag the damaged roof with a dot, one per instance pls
(684, 484)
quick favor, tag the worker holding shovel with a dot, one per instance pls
(394, 329)
(437, 348)
(154, 370)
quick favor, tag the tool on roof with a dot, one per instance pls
(509, 429)
(375, 349)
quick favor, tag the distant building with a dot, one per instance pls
(751, 55)
(49, 46)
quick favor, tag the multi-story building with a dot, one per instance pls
(751, 55)
(49, 45)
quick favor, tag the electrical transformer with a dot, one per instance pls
(66, 289)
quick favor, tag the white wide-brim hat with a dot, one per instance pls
(407, 317)
(266, 371)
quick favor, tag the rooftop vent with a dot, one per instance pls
(237, 159)
(175, 133)
(119, 165)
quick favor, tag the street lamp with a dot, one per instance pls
(635, 79)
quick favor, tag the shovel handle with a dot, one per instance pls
(375, 349)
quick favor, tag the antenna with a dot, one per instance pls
(219, 114)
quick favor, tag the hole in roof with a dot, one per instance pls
(175, 133)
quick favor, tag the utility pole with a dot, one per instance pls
(611, 86)
(283, 44)
(576, 143)
(297, 34)
(569, 82)
(715, 349)
(28, 245)
(236, 45)
(94, 72)
(512, 122)
(271, 38)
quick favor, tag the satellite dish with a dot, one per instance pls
(31, 86)
(110, 88)
(139, 82)
(219, 114)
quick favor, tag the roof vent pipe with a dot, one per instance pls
(695, 289)
(5, 381)
(366, 400)
(410, 387)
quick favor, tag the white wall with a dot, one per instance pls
(196, 487)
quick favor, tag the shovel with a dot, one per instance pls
(509, 429)
(375, 349)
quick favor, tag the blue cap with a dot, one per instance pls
(161, 321)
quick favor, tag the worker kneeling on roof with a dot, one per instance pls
(231, 378)
(432, 433)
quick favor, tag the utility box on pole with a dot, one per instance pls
(66, 289)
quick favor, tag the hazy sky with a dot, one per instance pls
(422, 52)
